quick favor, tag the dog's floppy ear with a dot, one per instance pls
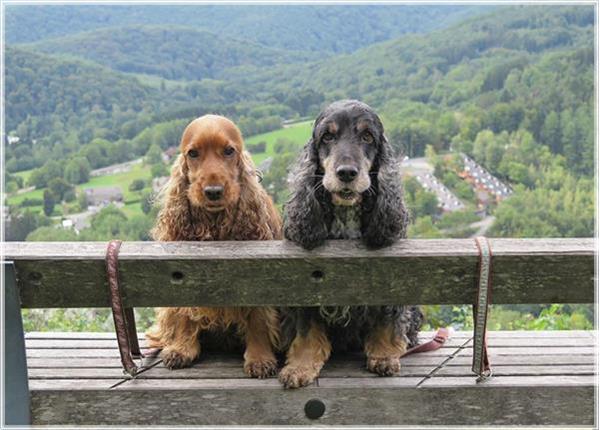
(384, 217)
(260, 220)
(174, 218)
(305, 218)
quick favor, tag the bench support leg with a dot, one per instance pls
(16, 387)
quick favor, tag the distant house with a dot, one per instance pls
(103, 196)
(170, 153)
(483, 182)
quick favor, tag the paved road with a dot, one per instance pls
(423, 173)
(483, 226)
(115, 168)
(416, 165)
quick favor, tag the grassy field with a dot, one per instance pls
(298, 133)
(24, 174)
(121, 180)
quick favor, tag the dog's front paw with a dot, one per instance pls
(297, 376)
(384, 366)
(261, 368)
(175, 360)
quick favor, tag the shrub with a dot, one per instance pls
(31, 202)
(137, 185)
(257, 148)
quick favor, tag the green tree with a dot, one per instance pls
(58, 187)
(159, 170)
(137, 185)
(49, 202)
(82, 201)
(52, 234)
(147, 202)
(20, 225)
(551, 133)
(77, 170)
(154, 155)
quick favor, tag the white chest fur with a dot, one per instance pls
(346, 223)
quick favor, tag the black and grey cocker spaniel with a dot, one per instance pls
(346, 185)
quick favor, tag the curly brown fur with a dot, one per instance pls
(347, 186)
(212, 155)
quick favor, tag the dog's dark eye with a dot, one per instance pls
(328, 138)
(367, 137)
(229, 151)
(192, 153)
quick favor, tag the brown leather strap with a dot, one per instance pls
(123, 318)
(441, 336)
(481, 362)
(132, 333)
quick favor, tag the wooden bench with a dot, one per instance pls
(540, 378)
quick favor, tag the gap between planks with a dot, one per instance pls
(443, 363)
(142, 370)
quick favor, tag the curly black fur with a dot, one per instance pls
(383, 219)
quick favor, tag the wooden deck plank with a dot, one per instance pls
(526, 360)
(511, 381)
(62, 362)
(523, 370)
(112, 373)
(548, 350)
(72, 384)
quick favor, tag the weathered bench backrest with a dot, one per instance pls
(280, 273)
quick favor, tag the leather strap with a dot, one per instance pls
(123, 317)
(440, 337)
(481, 362)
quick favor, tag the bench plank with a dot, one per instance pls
(269, 404)
(338, 273)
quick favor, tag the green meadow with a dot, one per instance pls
(298, 133)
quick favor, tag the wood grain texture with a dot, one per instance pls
(357, 405)
(280, 273)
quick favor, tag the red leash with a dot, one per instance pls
(440, 338)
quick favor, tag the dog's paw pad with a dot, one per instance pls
(384, 366)
(296, 377)
(175, 360)
(260, 368)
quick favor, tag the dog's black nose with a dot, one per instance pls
(213, 192)
(346, 173)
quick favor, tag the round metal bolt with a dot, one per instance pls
(314, 409)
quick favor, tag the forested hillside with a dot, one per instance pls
(511, 68)
(513, 89)
(169, 52)
(325, 28)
